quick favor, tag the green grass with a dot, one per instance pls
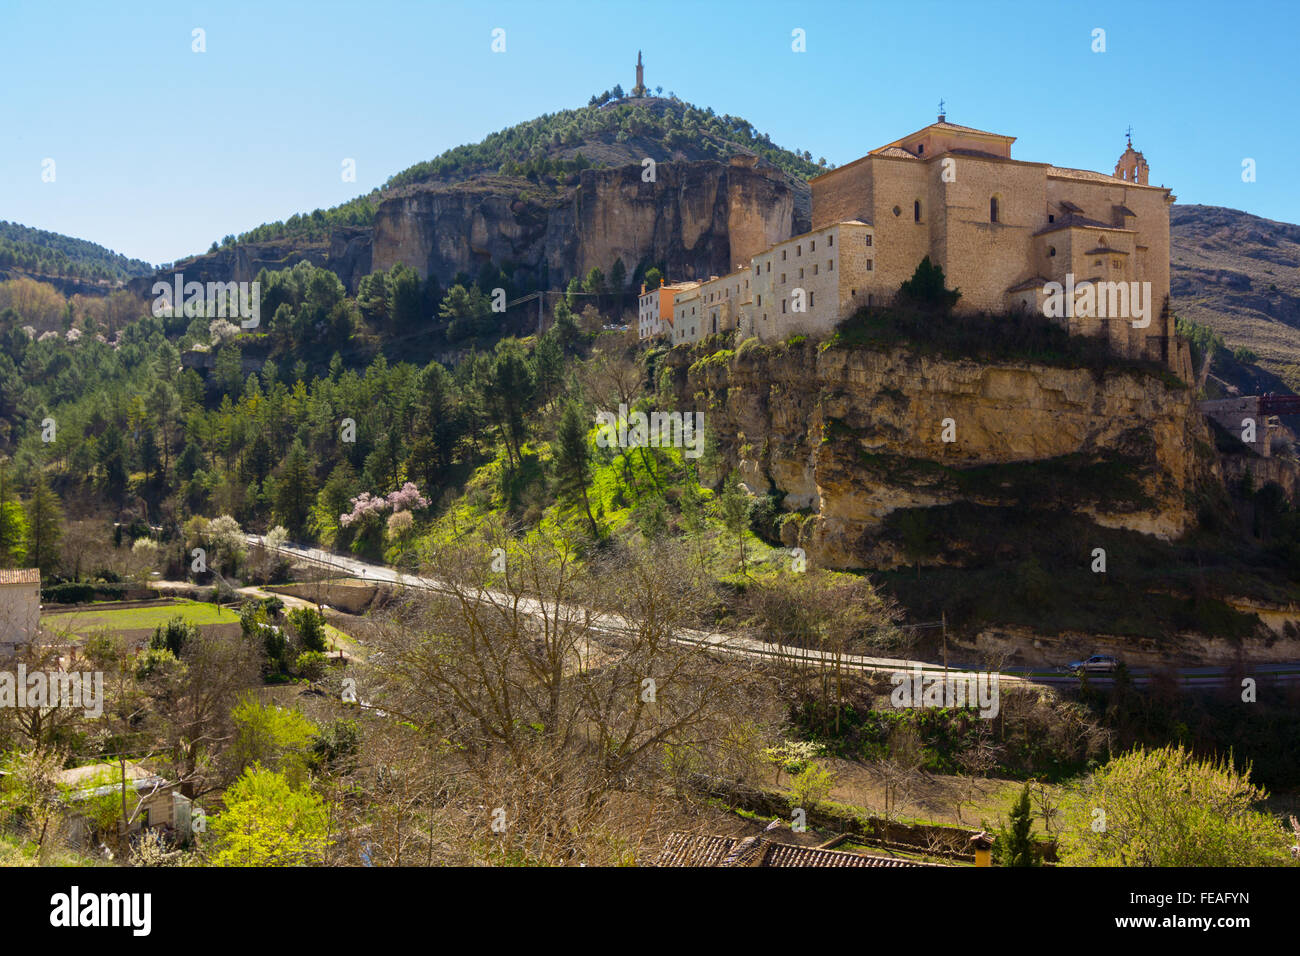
(84, 622)
(16, 851)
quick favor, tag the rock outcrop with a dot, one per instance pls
(347, 254)
(850, 436)
(697, 218)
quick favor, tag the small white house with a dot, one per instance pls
(20, 606)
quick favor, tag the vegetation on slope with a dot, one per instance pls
(43, 253)
(554, 147)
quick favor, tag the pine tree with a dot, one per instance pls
(573, 460)
(44, 528)
(1019, 846)
(294, 492)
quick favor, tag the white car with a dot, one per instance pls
(1097, 664)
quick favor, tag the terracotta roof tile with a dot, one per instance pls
(20, 576)
(688, 849)
(1072, 221)
(1066, 172)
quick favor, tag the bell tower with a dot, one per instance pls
(1132, 166)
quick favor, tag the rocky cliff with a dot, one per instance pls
(697, 219)
(850, 436)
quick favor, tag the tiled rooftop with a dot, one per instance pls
(688, 849)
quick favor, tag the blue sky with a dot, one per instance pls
(159, 150)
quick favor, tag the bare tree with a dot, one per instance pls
(563, 691)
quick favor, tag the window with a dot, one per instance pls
(769, 268)
(1051, 217)
(759, 297)
(1051, 250)
(783, 278)
(758, 267)
(783, 252)
(898, 211)
(870, 265)
(868, 238)
(920, 149)
(830, 265)
(798, 250)
(993, 209)
(801, 273)
(916, 210)
(830, 240)
(814, 268)
(810, 298)
(812, 246)
(783, 305)
(1115, 264)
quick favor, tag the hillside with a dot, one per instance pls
(1240, 275)
(552, 149)
(51, 255)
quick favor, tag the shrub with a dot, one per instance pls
(311, 664)
(811, 786)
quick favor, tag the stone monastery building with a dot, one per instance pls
(1001, 229)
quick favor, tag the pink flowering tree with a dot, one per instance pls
(372, 515)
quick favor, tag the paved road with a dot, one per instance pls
(1202, 677)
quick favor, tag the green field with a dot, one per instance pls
(85, 621)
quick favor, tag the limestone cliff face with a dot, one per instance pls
(698, 218)
(853, 435)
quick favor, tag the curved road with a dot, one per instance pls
(1206, 677)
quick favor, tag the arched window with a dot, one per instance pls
(1051, 250)
(993, 209)
(916, 211)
